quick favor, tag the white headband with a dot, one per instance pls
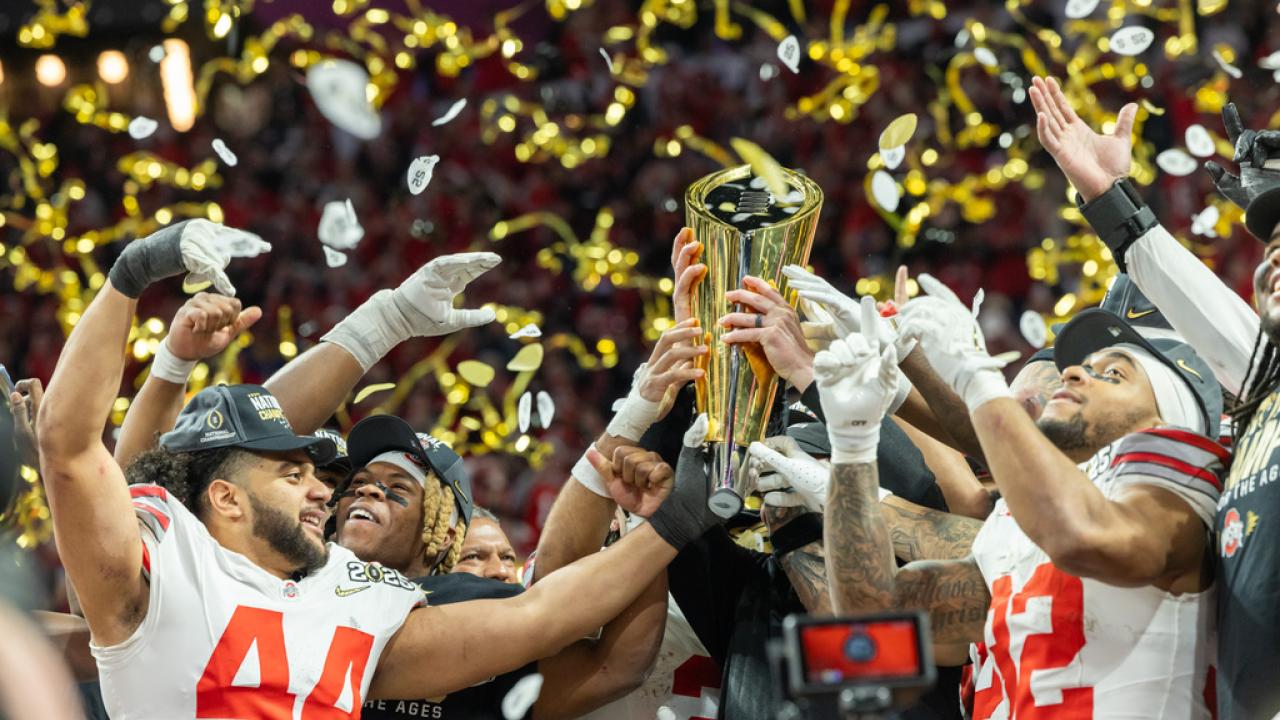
(405, 462)
(1175, 400)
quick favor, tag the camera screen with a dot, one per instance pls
(838, 654)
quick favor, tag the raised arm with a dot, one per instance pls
(93, 519)
(202, 328)
(857, 377)
(1141, 535)
(499, 636)
(1201, 308)
(311, 388)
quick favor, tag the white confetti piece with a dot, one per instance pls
(884, 189)
(340, 91)
(1199, 142)
(522, 696)
(893, 156)
(224, 152)
(1033, 330)
(333, 258)
(1204, 222)
(523, 409)
(420, 172)
(142, 127)
(339, 227)
(789, 53)
(546, 408)
(1176, 162)
(1270, 62)
(1132, 40)
(454, 109)
(607, 59)
(1227, 67)
(666, 713)
(1077, 9)
(530, 331)
(768, 71)
(985, 56)
(156, 53)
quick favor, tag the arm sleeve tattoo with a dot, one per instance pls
(863, 576)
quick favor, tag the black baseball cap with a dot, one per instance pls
(811, 437)
(340, 461)
(240, 416)
(375, 435)
(1095, 329)
(1123, 298)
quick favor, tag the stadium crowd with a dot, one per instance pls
(1087, 530)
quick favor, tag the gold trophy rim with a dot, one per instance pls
(695, 194)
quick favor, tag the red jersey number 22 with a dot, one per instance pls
(1041, 651)
(216, 697)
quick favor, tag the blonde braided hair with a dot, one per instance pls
(437, 508)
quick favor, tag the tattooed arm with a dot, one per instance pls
(805, 566)
(920, 533)
(864, 578)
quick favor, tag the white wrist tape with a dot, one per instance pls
(169, 367)
(982, 387)
(884, 494)
(371, 330)
(634, 415)
(587, 475)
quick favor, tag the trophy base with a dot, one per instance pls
(725, 503)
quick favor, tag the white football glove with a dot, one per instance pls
(421, 307)
(844, 314)
(952, 341)
(857, 379)
(797, 478)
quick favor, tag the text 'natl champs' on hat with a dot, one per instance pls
(240, 416)
(1095, 329)
(376, 435)
(340, 461)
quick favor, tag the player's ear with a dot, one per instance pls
(226, 499)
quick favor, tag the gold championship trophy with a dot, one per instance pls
(744, 230)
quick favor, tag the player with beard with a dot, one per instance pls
(407, 506)
(239, 552)
(1240, 345)
(1089, 583)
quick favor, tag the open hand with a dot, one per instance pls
(1091, 161)
(426, 297)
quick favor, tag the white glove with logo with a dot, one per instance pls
(421, 307)
(844, 312)
(797, 478)
(857, 379)
(952, 341)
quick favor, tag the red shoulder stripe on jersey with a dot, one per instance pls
(1190, 438)
(1166, 461)
(146, 560)
(149, 491)
(164, 519)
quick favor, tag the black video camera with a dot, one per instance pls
(851, 666)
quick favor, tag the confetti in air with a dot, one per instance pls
(142, 127)
(1033, 329)
(1176, 162)
(528, 331)
(523, 410)
(546, 408)
(224, 152)
(420, 172)
(522, 696)
(1133, 40)
(789, 53)
(368, 390)
(333, 258)
(452, 113)
(607, 59)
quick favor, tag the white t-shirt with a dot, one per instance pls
(1071, 647)
(224, 638)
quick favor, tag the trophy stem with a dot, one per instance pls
(725, 501)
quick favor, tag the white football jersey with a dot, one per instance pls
(1059, 646)
(685, 680)
(224, 638)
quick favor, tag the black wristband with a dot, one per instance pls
(1119, 216)
(796, 534)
